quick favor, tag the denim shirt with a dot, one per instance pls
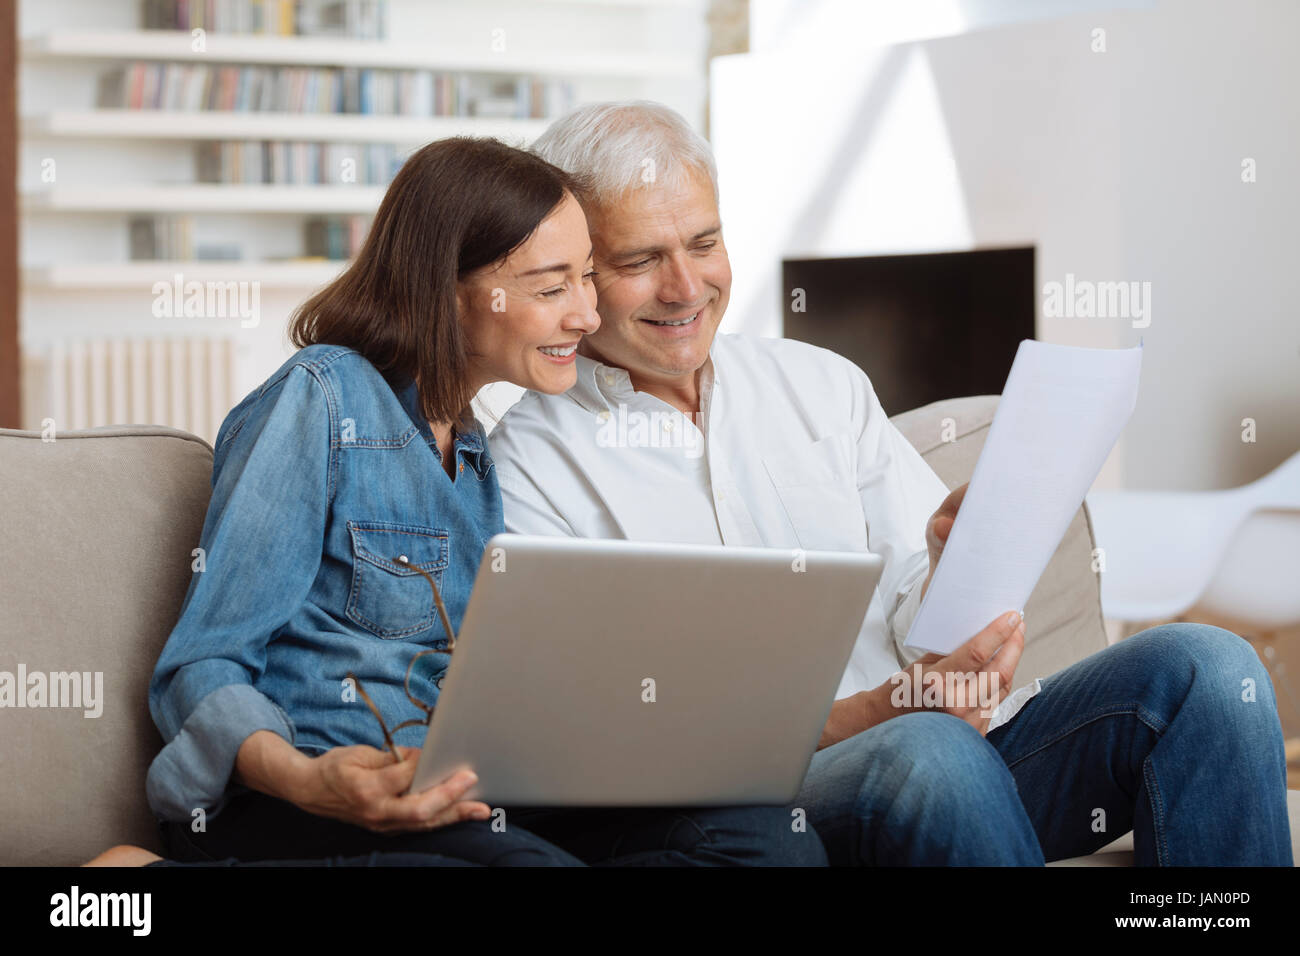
(320, 479)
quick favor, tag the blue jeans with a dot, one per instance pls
(1172, 733)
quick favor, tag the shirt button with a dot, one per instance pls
(608, 377)
(722, 496)
(603, 417)
(668, 424)
(462, 466)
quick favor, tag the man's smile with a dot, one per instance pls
(673, 323)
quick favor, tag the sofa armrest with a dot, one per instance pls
(100, 525)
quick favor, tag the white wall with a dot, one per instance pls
(1123, 165)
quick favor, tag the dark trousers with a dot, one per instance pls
(255, 829)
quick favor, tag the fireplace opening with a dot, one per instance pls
(923, 327)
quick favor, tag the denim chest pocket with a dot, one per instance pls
(387, 599)
(817, 487)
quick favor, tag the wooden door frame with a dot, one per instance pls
(10, 365)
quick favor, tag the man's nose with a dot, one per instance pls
(680, 283)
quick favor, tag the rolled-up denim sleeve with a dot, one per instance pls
(193, 771)
(261, 544)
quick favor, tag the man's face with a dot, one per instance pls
(662, 280)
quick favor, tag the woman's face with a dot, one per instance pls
(524, 316)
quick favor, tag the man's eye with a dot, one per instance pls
(706, 246)
(640, 263)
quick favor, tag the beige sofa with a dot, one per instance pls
(99, 528)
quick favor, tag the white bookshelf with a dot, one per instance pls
(298, 127)
(139, 276)
(208, 197)
(311, 51)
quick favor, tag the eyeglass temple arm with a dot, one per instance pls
(406, 686)
(388, 738)
(446, 624)
(437, 599)
(451, 644)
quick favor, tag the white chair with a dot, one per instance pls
(1231, 555)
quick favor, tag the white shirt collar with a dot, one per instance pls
(601, 386)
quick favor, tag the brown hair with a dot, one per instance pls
(455, 206)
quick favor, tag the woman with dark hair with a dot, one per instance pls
(345, 485)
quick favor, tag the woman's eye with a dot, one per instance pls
(553, 292)
(590, 275)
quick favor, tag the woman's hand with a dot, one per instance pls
(359, 785)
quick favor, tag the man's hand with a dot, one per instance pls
(994, 651)
(938, 528)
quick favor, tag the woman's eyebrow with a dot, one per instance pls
(541, 270)
(553, 267)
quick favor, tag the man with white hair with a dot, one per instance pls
(676, 433)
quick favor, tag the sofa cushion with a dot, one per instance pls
(100, 525)
(1063, 621)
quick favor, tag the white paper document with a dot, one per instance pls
(1061, 412)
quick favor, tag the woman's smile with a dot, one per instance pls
(560, 354)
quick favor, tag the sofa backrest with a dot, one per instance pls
(99, 527)
(1063, 620)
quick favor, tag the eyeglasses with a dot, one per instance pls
(410, 668)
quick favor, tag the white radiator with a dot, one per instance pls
(187, 383)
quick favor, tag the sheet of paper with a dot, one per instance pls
(1062, 410)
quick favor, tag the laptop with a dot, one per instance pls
(618, 673)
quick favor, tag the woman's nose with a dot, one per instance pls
(584, 318)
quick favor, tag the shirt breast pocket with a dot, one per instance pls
(816, 483)
(387, 599)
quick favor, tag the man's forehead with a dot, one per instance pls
(655, 216)
(625, 233)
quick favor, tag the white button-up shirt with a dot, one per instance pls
(791, 449)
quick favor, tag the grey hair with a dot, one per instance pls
(613, 147)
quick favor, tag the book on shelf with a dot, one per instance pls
(335, 237)
(329, 90)
(161, 237)
(353, 19)
(296, 164)
(218, 252)
(169, 238)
